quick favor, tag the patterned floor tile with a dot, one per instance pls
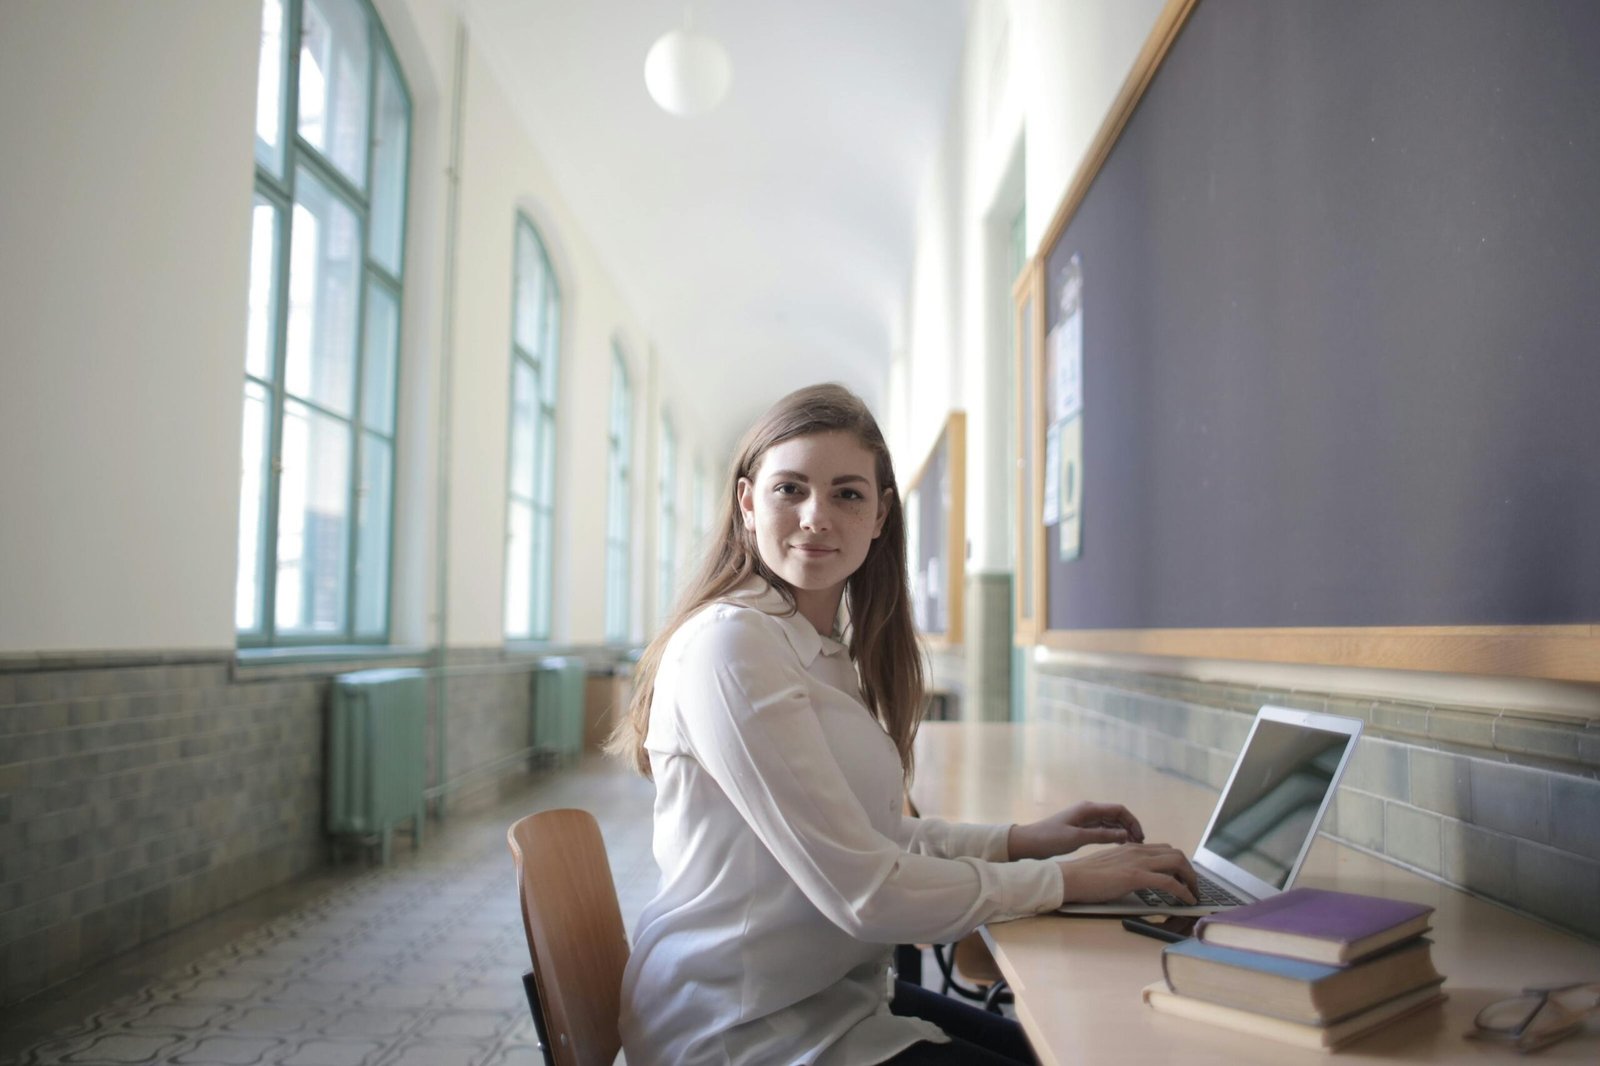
(462, 1024)
(334, 1053)
(178, 1017)
(402, 996)
(420, 1054)
(229, 1051)
(113, 1047)
(517, 1055)
(311, 990)
(364, 1022)
(275, 1020)
(224, 987)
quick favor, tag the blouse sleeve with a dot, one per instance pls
(950, 840)
(745, 715)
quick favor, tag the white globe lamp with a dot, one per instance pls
(687, 72)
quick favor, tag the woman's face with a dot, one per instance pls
(815, 509)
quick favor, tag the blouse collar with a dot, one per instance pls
(803, 636)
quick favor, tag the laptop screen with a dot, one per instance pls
(1275, 799)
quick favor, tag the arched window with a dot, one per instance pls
(619, 508)
(333, 124)
(530, 497)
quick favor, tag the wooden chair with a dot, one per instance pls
(575, 936)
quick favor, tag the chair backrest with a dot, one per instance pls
(575, 934)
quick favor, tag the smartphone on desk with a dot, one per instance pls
(1171, 927)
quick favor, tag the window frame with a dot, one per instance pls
(280, 191)
(546, 413)
(619, 538)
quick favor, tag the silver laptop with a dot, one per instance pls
(1266, 818)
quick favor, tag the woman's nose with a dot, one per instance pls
(814, 513)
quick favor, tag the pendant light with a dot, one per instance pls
(686, 71)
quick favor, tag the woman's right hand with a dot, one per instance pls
(1111, 872)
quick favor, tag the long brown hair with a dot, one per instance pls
(882, 642)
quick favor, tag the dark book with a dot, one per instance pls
(1317, 925)
(1312, 993)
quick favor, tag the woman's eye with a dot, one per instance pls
(786, 488)
(853, 495)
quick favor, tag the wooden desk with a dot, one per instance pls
(1077, 980)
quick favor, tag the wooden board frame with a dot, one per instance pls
(953, 439)
(1562, 652)
(1027, 301)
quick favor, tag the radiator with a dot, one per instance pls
(376, 754)
(557, 725)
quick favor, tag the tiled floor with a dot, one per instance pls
(415, 964)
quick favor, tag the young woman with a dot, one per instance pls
(775, 712)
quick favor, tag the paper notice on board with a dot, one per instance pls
(1070, 490)
(1066, 360)
(1052, 474)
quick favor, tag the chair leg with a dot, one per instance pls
(998, 994)
(531, 987)
(991, 996)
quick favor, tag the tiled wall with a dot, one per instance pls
(140, 793)
(976, 674)
(1504, 804)
(988, 652)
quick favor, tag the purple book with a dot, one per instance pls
(1339, 928)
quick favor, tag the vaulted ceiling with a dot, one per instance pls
(767, 244)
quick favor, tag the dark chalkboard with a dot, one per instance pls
(936, 531)
(1341, 324)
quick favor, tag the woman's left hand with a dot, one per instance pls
(1068, 830)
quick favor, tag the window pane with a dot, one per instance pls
(389, 169)
(324, 285)
(258, 348)
(524, 411)
(372, 536)
(252, 509)
(313, 522)
(377, 371)
(519, 561)
(530, 291)
(545, 489)
(269, 89)
(335, 57)
(542, 574)
(552, 346)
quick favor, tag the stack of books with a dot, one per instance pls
(1308, 967)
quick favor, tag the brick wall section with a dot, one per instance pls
(141, 793)
(1503, 804)
(137, 796)
(489, 709)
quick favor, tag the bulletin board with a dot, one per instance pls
(936, 535)
(1335, 277)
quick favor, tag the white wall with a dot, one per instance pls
(124, 245)
(1040, 71)
(125, 188)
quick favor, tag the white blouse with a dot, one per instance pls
(788, 869)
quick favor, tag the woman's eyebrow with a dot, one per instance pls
(795, 475)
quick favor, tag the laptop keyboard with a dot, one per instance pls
(1210, 894)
